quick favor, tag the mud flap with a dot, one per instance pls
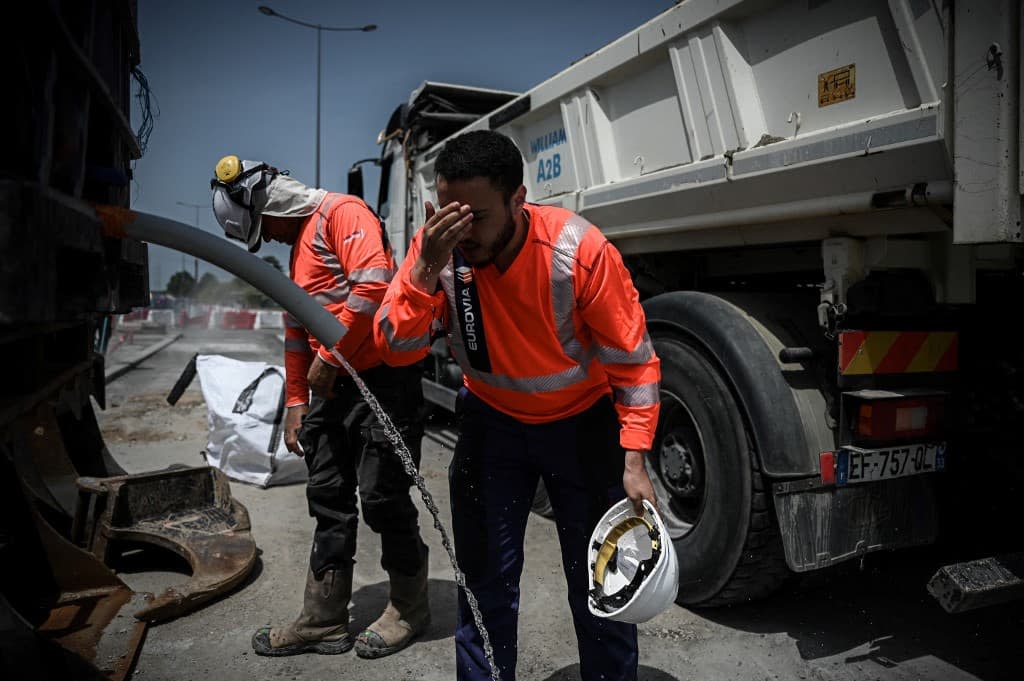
(821, 526)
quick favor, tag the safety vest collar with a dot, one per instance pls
(458, 283)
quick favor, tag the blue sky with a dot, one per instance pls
(229, 80)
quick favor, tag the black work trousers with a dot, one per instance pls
(345, 451)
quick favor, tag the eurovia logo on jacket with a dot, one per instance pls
(470, 316)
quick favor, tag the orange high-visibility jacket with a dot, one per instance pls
(562, 327)
(339, 259)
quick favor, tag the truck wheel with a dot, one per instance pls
(710, 490)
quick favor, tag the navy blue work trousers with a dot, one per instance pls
(493, 476)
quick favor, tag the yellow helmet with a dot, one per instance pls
(228, 169)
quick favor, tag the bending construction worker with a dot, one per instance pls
(561, 382)
(339, 256)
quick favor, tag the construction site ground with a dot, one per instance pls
(870, 620)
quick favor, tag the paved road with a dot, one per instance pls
(857, 622)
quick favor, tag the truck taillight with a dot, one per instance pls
(900, 419)
(827, 464)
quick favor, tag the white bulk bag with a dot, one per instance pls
(243, 401)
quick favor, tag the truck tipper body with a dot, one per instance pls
(819, 203)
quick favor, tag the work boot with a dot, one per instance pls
(405, 617)
(322, 627)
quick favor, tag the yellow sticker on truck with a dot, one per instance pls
(837, 85)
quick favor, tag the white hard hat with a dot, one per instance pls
(634, 572)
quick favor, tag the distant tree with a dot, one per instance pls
(208, 280)
(253, 298)
(274, 262)
(208, 288)
(181, 284)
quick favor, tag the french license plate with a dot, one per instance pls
(868, 465)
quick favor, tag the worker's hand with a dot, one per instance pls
(292, 422)
(442, 232)
(637, 482)
(321, 378)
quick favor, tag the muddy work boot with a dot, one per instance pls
(405, 617)
(322, 627)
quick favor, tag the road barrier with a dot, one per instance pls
(204, 317)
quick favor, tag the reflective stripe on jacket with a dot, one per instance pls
(339, 259)
(562, 326)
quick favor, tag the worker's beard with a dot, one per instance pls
(500, 243)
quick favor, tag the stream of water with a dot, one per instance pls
(410, 467)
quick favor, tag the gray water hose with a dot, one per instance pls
(120, 222)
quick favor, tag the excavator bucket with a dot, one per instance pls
(189, 511)
(68, 511)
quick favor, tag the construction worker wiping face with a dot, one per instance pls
(499, 223)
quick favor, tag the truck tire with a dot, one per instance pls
(710, 489)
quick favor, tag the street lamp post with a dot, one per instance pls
(195, 261)
(319, 29)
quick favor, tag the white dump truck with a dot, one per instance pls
(819, 202)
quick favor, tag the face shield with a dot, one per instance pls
(239, 196)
